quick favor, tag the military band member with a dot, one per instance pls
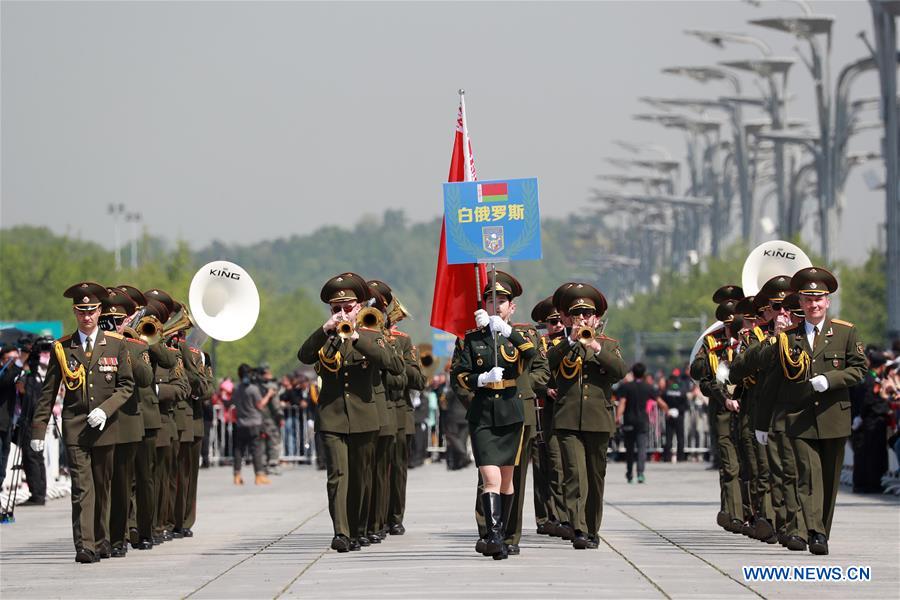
(534, 378)
(770, 418)
(815, 362)
(349, 365)
(143, 503)
(585, 367)
(547, 469)
(115, 308)
(377, 479)
(495, 414)
(207, 385)
(719, 346)
(192, 438)
(95, 368)
(413, 378)
(172, 387)
(755, 475)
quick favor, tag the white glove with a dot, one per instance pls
(673, 413)
(481, 318)
(37, 445)
(819, 383)
(857, 423)
(722, 372)
(495, 375)
(762, 437)
(500, 326)
(97, 418)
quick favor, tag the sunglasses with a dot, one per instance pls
(554, 321)
(335, 309)
(583, 312)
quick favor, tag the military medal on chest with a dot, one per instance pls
(108, 365)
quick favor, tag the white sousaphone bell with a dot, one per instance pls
(775, 257)
(224, 301)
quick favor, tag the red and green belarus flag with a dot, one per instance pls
(492, 192)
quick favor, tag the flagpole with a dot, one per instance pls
(467, 176)
(467, 155)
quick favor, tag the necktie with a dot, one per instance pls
(815, 335)
(88, 347)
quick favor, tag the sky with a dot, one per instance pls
(248, 121)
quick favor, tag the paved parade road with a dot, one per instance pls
(658, 540)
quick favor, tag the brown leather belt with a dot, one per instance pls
(501, 385)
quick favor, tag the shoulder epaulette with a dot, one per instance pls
(136, 341)
(399, 333)
(606, 337)
(65, 338)
(369, 329)
(468, 331)
(840, 322)
(194, 350)
(113, 334)
(523, 325)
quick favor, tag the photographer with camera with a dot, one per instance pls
(11, 365)
(36, 356)
(249, 402)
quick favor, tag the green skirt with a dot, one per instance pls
(499, 445)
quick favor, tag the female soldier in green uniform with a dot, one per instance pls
(495, 415)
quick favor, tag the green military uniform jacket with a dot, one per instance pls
(715, 345)
(492, 407)
(584, 380)
(173, 387)
(130, 415)
(415, 380)
(759, 389)
(200, 384)
(534, 377)
(838, 355)
(159, 355)
(184, 414)
(108, 384)
(205, 400)
(383, 399)
(346, 400)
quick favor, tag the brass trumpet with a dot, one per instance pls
(396, 312)
(345, 329)
(370, 318)
(179, 321)
(144, 327)
(586, 335)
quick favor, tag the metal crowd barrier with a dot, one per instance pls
(297, 437)
(696, 431)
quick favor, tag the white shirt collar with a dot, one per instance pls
(93, 337)
(809, 327)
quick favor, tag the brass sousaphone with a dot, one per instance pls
(224, 303)
(775, 257)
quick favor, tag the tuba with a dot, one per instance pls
(224, 304)
(768, 260)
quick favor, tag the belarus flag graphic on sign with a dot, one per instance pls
(492, 192)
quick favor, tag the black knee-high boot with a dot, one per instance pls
(493, 520)
(506, 505)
